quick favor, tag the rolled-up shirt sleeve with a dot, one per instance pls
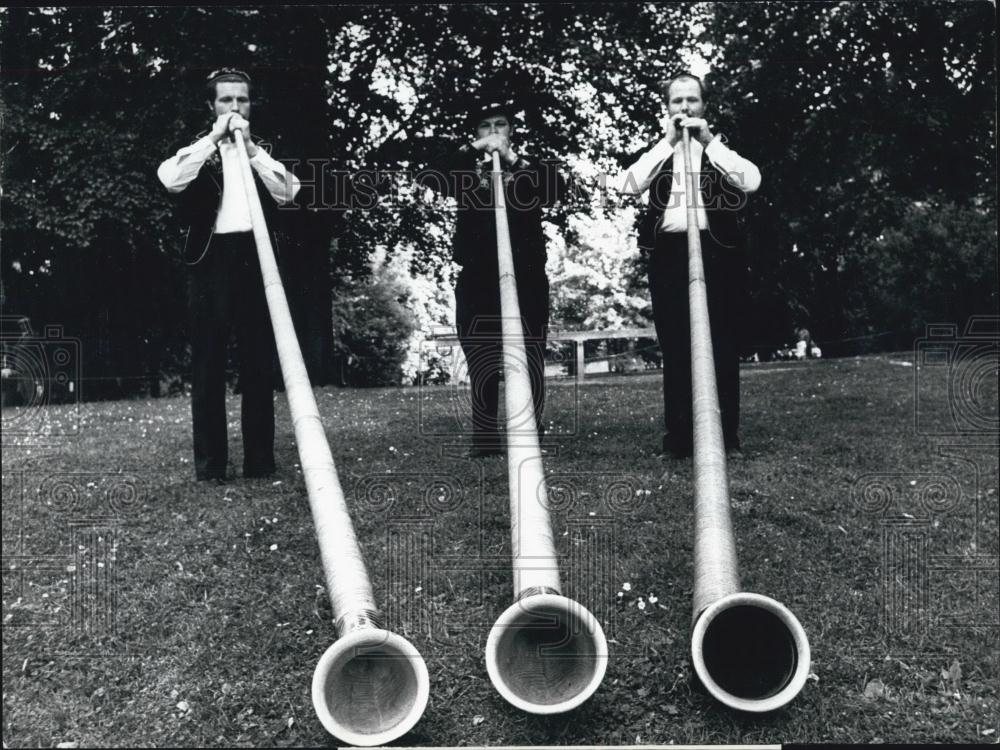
(177, 172)
(280, 183)
(740, 173)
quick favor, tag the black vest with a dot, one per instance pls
(198, 204)
(724, 205)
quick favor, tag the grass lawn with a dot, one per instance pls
(141, 607)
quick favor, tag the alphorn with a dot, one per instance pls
(371, 686)
(748, 650)
(546, 653)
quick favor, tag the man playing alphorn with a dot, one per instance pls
(725, 179)
(225, 286)
(529, 185)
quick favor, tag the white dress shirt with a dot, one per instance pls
(740, 173)
(177, 172)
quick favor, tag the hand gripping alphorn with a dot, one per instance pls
(748, 650)
(371, 686)
(546, 653)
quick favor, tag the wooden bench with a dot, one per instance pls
(447, 336)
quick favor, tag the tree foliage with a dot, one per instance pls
(593, 275)
(373, 322)
(94, 98)
(855, 112)
(937, 263)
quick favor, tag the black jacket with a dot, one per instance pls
(197, 206)
(529, 185)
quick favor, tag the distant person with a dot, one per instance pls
(805, 346)
(225, 285)
(802, 343)
(529, 185)
(726, 178)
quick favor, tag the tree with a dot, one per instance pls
(939, 263)
(93, 99)
(854, 111)
(593, 275)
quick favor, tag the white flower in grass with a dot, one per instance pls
(626, 586)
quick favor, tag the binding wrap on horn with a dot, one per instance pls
(748, 650)
(371, 686)
(546, 653)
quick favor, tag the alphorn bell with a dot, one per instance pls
(748, 650)
(546, 653)
(371, 686)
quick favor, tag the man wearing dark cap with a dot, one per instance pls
(529, 185)
(225, 285)
(725, 179)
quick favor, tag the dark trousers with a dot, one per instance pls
(477, 314)
(226, 292)
(726, 282)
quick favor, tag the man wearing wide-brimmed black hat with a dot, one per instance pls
(530, 184)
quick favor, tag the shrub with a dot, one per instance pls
(372, 325)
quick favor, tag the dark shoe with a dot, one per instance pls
(205, 470)
(676, 449)
(485, 443)
(258, 473)
(217, 478)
